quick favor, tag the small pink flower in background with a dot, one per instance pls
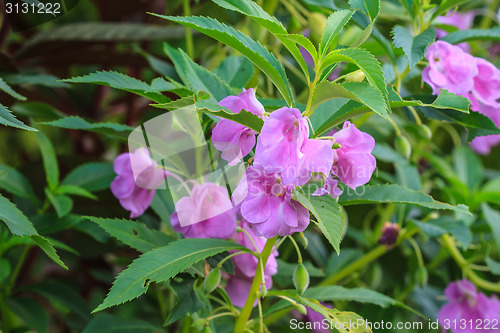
(353, 162)
(137, 177)
(284, 147)
(483, 144)
(462, 21)
(245, 266)
(267, 204)
(316, 319)
(449, 68)
(206, 213)
(233, 139)
(465, 303)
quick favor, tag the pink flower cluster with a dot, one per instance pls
(466, 304)
(452, 69)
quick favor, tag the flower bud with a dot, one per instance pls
(304, 240)
(317, 23)
(300, 278)
(356, 76)
(403, 146)
(425, 131)
(302, 309)
(336, 145)
(422, 276)
(212, 280)
(390, 233)
(263, 290)
(207, 329)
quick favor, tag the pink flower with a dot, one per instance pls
(245, 266)
(466, 304)
(206, 213)
(486, 87)
(317, 320)
(353, 162)
(137, 177)
(462, 21)
(284, 147)
(267, 203)
(233, 139)
(449, 68)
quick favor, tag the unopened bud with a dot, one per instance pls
(302, 309)
(403, 146)
(263, 290)
(422, 276)
(356, 76)
(317, 23)
(300, 278)
(304, 240)
(390, 233)
(425, 131)
(212, 280)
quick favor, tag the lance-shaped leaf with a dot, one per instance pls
(134, 234)
(7, 89)
(460, 36)
(8, 119)
(328, 216)
(77, 123)
(251, 9)
(253, 50)
(120, 81)
(356, 91)
(413, 46)
(395, 194)
(160, 265)
(334, 24)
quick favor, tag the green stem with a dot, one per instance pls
(365, 260)
(299, 255)
(17, 269)
(189, 33)
(464, 265)
(312, 87)
(254, 289)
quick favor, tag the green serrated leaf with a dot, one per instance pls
(160, 265)
(395, 194)
(328, 215)
(48, 248)
(339, 293)
(356, 91)
(77, 123)
(7, 89)
(334, 25)
(413, 46)
(365, 61)
(369, 7)
(253, 50)
(16, 221)
(445, 224)
(75, 190)
(461, 36)
(8, 119)
(61, 203)
(120, 81)
(134, 234)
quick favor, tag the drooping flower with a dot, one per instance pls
(245, 266)
(233, 139)
(206, 213)
(137, 177)
(353, 162)
(449, 68)
(284, 147)
(267, 203)
(466, 304)
(462, 21)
